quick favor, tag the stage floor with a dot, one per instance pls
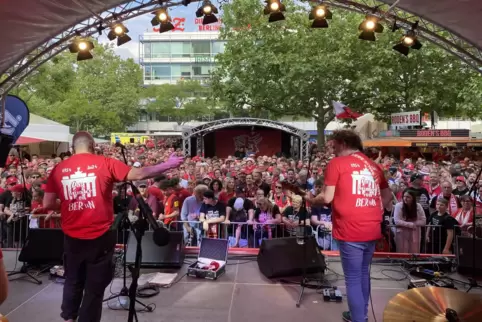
(241, 295)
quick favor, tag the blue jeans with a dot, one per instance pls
(356, 258)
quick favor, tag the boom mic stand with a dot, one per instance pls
(473, 190)
(25, 267)
(138, 232)
(305, 281)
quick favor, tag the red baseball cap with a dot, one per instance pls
(18, 188)
(12, 180)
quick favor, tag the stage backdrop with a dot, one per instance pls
(260, 141)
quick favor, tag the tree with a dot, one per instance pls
(100, 95)
(287, 68)
(186, 100)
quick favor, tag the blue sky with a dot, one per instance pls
(137, 26)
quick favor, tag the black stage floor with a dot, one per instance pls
(241, 295)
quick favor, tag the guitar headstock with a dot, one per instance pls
(293, 188)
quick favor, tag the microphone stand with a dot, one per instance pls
(138, 231)
(302, 223)
(24, 269)
(473, 280)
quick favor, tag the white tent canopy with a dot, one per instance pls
(42, 129)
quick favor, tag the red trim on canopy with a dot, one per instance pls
(26, 140)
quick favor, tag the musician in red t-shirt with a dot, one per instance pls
(81, 188)
(358, 192)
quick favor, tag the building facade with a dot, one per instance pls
(172, 56)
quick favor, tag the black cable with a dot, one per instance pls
(148, 290)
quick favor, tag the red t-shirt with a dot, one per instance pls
(84, 184)
(182, 194)
(225, 196)
(357, 204)
(156, 192)
(172, 203)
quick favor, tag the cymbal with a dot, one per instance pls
(431, 304)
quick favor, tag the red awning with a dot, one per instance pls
(26, 140)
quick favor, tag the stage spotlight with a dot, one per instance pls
(319, 14)
(409, 40)
(275, 9)
(208, 10)
(161, 17)
(369, 27)
(82, 48)
(119, 31)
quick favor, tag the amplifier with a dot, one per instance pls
(465, 256)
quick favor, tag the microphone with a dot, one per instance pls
(160, 235)
(119, 145)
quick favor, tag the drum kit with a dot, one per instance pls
(434, 304)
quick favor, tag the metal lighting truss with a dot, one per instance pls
(447, 40)
(200, 131)
(86, 28)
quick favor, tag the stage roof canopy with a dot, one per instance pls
(27, 25)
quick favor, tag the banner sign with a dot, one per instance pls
(441, 145)
(17, 117)
(259, 142)
(435, 133)
(406, 118)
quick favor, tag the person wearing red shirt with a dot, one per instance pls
(358, 192)
(171, 205)
(155, 190)
(12, 160)
(83, 185)
(181, 193)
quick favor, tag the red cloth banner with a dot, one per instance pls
(259, 141)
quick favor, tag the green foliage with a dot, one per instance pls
(288, 68)
(100, 95)
(186, 100)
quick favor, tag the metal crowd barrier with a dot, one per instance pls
(240, 234)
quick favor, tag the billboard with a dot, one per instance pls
(458, 133)
(406, 119)
(259, 141)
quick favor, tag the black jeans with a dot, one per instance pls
(88, 271)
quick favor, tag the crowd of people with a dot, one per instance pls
(241, 197)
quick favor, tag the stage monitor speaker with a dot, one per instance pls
(464, 255)
(283, 257)
(153, 256)
(43, 247)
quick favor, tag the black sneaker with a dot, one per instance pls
(346, 316)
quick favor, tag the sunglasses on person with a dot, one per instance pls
(278, 187)
(35, 177)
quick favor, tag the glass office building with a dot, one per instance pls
(172, 56)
